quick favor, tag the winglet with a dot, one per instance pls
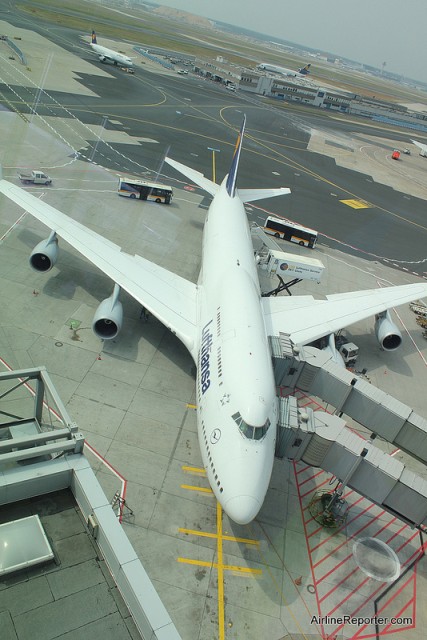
(94, 37)
(232, 174)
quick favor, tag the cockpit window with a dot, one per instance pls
(250, 432)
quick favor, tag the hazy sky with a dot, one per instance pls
(369, 31)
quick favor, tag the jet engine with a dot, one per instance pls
(388, 335)
(102, 58)
(108, 318)
(44, 255)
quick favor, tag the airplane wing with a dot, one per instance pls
(306, 319)
(172, 299)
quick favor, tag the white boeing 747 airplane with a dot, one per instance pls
(224, 323)
(283, 71)
(109, 55)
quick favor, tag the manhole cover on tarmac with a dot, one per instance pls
(376, 559)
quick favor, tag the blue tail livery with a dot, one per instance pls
(232, 174)
(305, 70)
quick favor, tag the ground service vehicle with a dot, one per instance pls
(286, 230)
(143, 190)
(348, 350)
(35, 177)
(395, 155)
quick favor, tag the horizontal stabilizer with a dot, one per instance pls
(249, 195)
(194, 176)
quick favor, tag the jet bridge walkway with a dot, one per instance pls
(323, 440)
(313, 371)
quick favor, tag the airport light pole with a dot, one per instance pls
(40, 88)
(213, 161)
(104, 122)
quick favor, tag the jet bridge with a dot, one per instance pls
(322, 440)
(314, 372)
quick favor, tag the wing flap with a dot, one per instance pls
(312, 319)
(172, 299)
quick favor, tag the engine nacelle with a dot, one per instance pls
(388, 335)
(108, 318)
(45, 254)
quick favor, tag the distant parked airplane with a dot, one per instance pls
(109, 55)
(265, 66)
(421, 146)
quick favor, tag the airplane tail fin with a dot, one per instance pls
(305, 70)
(232, 174)
(205, 183)
(246, 195)
(94, 37)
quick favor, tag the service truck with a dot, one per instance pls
(348, 350)
(35, 177)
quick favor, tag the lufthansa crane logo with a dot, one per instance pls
(215, 436)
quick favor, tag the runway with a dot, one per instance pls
(134, 397)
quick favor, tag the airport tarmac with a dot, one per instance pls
(133, 398)
(189, 116)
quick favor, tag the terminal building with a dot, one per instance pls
(306, 91)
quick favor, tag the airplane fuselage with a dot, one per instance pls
(237, 404)
(276, 69)
(113, 56)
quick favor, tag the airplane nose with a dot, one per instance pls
(242, 509)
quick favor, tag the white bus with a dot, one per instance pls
(290, 231)
(130, 188)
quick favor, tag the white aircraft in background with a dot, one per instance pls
(109, 55)
(265, 66)
(421, 146)
(224, 323)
